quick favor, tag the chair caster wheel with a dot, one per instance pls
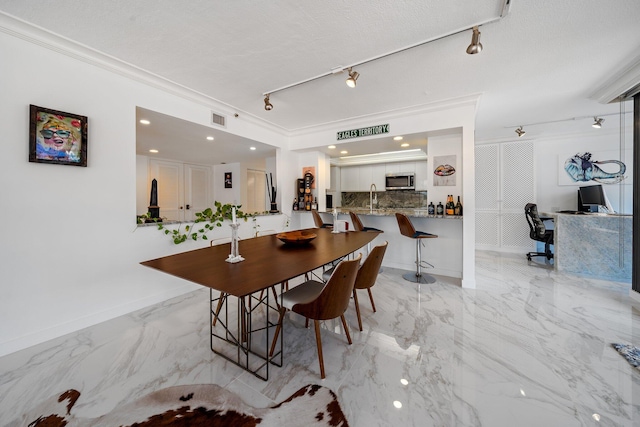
(528, 258)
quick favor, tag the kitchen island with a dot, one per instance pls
(444, 253)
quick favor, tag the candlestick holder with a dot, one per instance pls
(335, 221)
(234, 256)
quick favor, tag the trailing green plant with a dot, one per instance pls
(209, 218)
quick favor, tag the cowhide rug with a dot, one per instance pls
(196, 405)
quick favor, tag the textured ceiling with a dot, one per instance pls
(541, 63)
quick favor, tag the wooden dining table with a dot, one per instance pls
(267, 262)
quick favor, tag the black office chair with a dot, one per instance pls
(538, 231)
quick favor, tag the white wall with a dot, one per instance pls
(445, 145)
(70, 251)
(604, 144)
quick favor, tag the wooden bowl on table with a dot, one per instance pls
(299, 237)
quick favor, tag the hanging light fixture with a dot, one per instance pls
(267, 105)
(520, 132)
(353, 76)
(475, 46)
(597, 122)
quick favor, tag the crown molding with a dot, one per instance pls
(621, 85)
(358, 121)
(36, 35)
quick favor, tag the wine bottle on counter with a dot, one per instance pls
(439, 209)
(450, 208)
(458, 209)
(295, 204)
(431, 209)
(314, 204)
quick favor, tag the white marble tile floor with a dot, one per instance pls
(527, 347)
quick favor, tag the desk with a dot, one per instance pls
(268, 262)
(593, 244)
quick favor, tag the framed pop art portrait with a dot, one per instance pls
(57, 137)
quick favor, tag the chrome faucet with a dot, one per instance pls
(372, 188)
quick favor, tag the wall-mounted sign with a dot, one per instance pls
(357, 133)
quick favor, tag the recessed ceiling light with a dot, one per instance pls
(344, 152)
(397, 404)
(145, 122)
(404, 381)
(153, 150)
(397, 138)
(406, 144)
(252, 148)
(331, 147)
(210, 138)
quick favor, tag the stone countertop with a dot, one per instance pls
(412, 212)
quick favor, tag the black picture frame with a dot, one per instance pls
(57, 137)
(228, 180)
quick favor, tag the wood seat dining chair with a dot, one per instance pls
(321, 301)
(367, 275)
(317, 220)
(358, 226)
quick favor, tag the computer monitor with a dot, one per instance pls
(592, 197)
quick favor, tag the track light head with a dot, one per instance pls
(475, 46)
(597, 122)
(353, 76)
(520, 132)
(267, 105)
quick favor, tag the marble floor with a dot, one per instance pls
(528, 347)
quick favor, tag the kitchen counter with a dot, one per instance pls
(410, 212)
(444, 253)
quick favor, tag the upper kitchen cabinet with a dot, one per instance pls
(377, 176)
(350, 178)
(360, 178)
(422, 176)
(334, 179)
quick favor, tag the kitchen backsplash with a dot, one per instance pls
(386, 199)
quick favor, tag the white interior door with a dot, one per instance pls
(197, 190)
(256, 191)
(170, 179)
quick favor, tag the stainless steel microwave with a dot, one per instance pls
(400, 181)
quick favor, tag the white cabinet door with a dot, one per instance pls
(407, 167)
(334, 178)
(197, 190)
(377, 176)
(349, 178)
(364, 177)
(170, 179)
(422, 175)
(505, 182)
(392, 167)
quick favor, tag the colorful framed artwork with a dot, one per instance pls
(57, 137)
(444, 171)
(228, 182)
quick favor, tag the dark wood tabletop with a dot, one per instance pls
(267, 262)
